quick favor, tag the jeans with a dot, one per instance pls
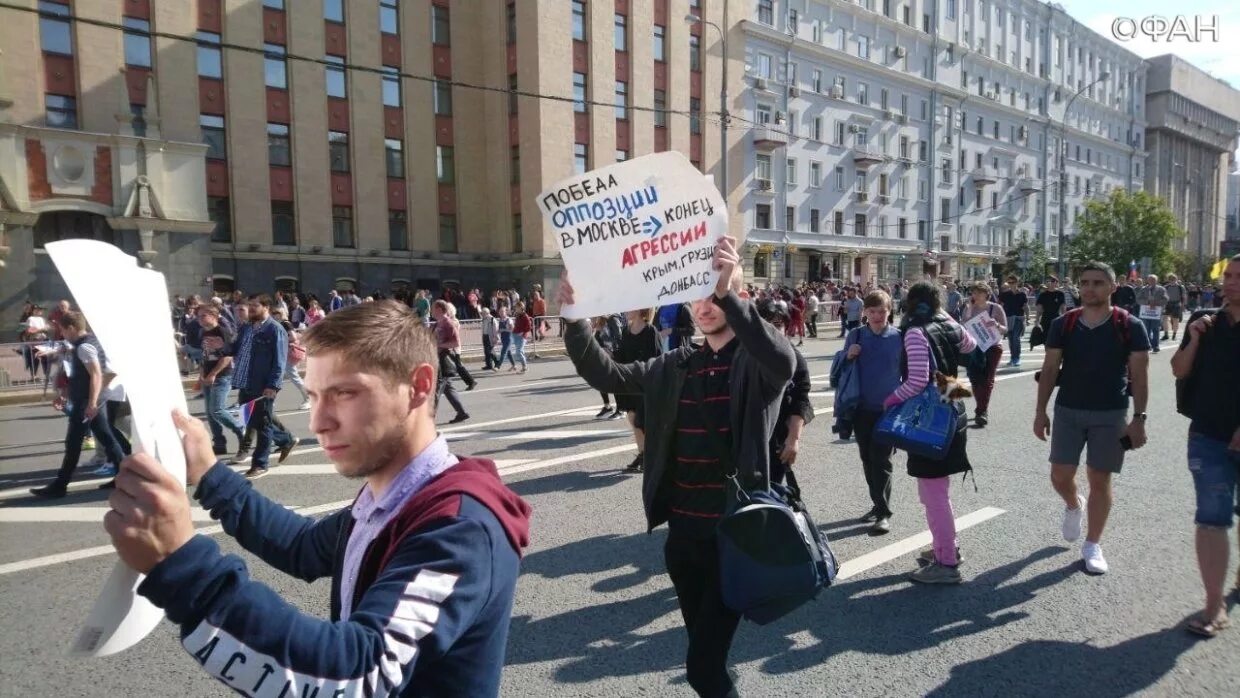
(693, 565)
(1153, 328)
(875, 460)
(263, 421)
(77, 430)
(1016, 330)
(445, 388)
(812, 325)
(506, 350)
(1214, 468)
(984, 380)
(290, 372)
(939, 517)
(518, 348)
(117, 410)
(218, 415)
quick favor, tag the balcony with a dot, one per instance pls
(1028, 185)
(864, 157)
(766, 139)
(983, 176)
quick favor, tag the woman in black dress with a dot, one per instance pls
(639, 342)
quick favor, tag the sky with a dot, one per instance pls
(1219, 58)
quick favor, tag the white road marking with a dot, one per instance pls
(885, 554)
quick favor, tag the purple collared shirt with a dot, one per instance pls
(370, 516)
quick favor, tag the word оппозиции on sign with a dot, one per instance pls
(637, 234)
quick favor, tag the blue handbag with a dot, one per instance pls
(923, 425)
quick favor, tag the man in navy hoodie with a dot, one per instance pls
(423, 564)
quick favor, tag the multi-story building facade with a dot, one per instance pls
(1233, 206)
(892, 139)
(333, 143)
(1194, 120)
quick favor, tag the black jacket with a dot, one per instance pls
(761, 368)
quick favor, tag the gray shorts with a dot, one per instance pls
(1101, 430)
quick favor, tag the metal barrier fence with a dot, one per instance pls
(20, 368)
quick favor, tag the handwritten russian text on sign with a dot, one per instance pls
(985, 330)
(1151, 312)
(637, 234)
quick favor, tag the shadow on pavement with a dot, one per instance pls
(1055, 668)
(567, 483)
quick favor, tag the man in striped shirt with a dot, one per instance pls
(710, 412)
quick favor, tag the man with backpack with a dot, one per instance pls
(1097, 355)
(704, 406)
(1207, 369)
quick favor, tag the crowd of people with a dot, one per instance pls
(730, 412)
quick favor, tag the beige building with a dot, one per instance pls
(336, 143)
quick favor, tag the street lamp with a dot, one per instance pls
(1063, 172)
(723, 105)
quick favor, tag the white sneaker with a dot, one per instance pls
(1091, 553)
(1073, 520)
(305, 405)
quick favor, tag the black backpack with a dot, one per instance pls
(1184, 386)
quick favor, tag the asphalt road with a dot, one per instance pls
(595, 614)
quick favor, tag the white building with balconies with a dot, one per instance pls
(896, 139)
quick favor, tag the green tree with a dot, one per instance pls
(1126, 226)
(1038, 261)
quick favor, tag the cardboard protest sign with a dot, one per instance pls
(637, 234)
(113, 291)
(985, 330)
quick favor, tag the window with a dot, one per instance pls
(579, 92)
(762, 167)
(212, 134)
(946, 166)
(333, 10)
(278, 151)
(790, 172)
(283, 230)
(863, 47)
(813, 220)
(762, 216)
(862, 137)
(391, 87)
(338, 145)
(766, 12)
(793, 22)
(660, 43)
(579, 20)
(447, 233)
(55, 35)
(764, 66)
(945, 209)
(883, 99)
(210, 58)
(394, 156)
(342, 227)
(790, 219)
(622, 100)
(514, 164)
(761, 265)
(859, 224)
(443, 98)
(839, 178)
(922, 190)
(275, 69)
(660, 108)
(921, 230)
(274, 4)
(512, 93)
(863, 93)
(951, 9)
(137, 42)
(441, 27)
(817, 80)
(923, 149)
(695, 115)
(219, 213)
(815, 174)
(137, 113)
(518, 238)
(445, 164)
(838, 222)
(621, 33)
(839, 132)
(62, 113)
(389, 23)
(336, 83)
(398, 230)
(581, 158)
(904, 143)
(695, 52)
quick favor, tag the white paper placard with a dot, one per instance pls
(127, 310)
(1151, 312)
(985, 330)
(637, 234)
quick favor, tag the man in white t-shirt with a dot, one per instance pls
(811, 314)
